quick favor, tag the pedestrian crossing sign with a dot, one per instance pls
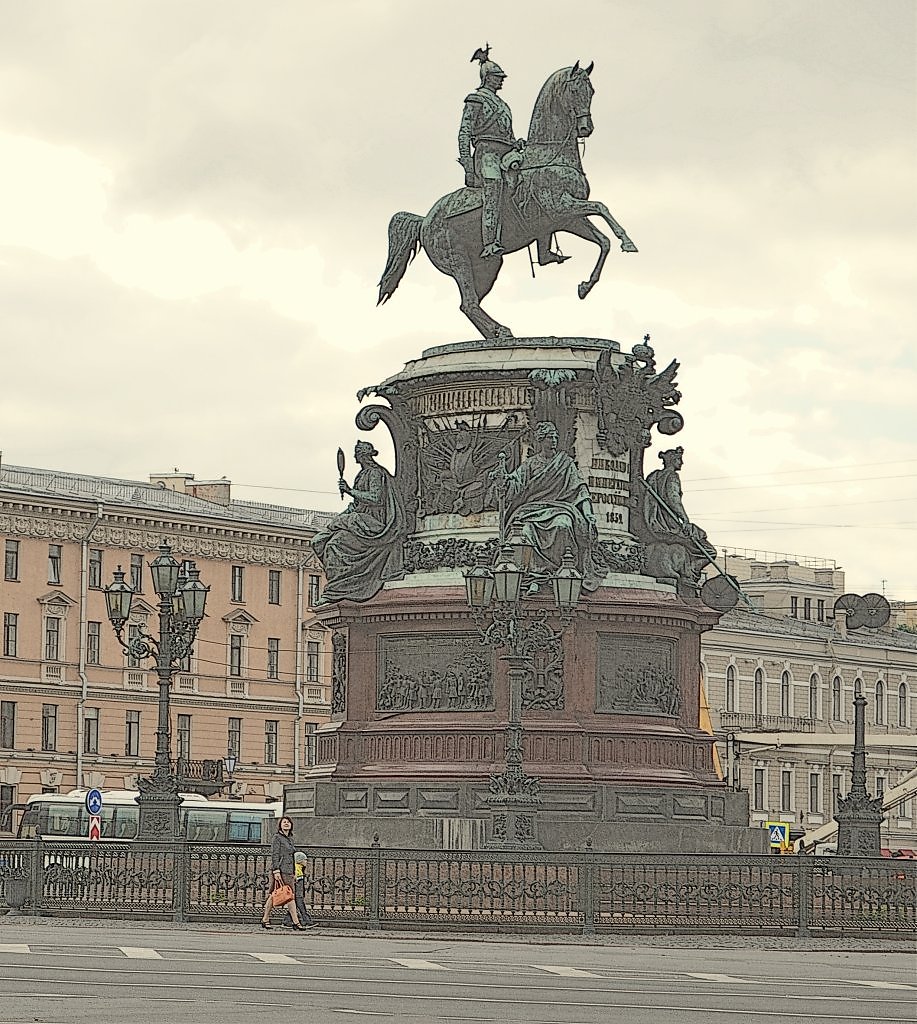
(779, 832)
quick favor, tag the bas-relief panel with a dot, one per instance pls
(635, 675)
(434, 672)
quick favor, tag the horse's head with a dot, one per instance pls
(579, 93)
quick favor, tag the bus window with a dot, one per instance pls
(126, 821)
(28, 824)
(245, 827)
(66, 821)
(203, 826)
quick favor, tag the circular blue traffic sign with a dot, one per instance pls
(94, 801)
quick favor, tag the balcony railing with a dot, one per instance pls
(204, 777)
(732, 720)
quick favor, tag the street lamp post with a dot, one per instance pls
(497, 604)
(229, 764)
(182, 600)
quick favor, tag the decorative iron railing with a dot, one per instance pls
(373, 888)
(764, 723)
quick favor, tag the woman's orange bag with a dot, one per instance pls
(282, 895)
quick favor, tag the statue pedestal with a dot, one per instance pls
(610, 710)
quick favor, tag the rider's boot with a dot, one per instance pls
(546, 254)
(490, 219)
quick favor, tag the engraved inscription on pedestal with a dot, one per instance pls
(434, 672)
(635, 675)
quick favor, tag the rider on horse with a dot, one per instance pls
(485, 140)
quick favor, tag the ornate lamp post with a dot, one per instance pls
(859, 816)
(498, 608)
(182, 600)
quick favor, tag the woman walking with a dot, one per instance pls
(283, 872)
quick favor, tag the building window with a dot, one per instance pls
(95, 568)
(52, 638)
(813, 697)
(55, 552)
(786, 790)
(132, 734)
(234, 738)
(858, 687)
(835, 792)
(309, 745)
(759, 693)
(814, 793)
(7, 724)
(312, 652)
(270, 742)
(137, 573)
(7, 799)
(184, 663)
(807, 608)
(10, 634)
(93, 643)
(273, 657)
(821, 610)
(133, 633)
(237, 583)
(273, 586)
(91, 731)
(794, 607)
(184, 737)
(786, 696)
(836, 698)
(731, 688)
(902, 704)
(235, 654)
(314, 590)
(880, 786)
(880, 703)
(758, 790)
(11, 563)
(49, 727)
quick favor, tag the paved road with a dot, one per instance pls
(52, 974)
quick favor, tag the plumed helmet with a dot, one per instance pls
(490, 67)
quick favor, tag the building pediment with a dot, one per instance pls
(56, 599)
(239, 617)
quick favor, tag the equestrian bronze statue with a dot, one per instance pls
(517, 192)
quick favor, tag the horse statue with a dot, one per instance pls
(551, 194)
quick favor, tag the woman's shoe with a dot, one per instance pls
(266, 926)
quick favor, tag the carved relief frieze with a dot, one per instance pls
(635, 675)
(338, 673)
(433, 672)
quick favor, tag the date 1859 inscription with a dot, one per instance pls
(635, 675)
(434, 672)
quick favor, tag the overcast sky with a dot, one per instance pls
(193, 222)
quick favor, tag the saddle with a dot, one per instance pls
(469, 198)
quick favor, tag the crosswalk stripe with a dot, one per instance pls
(14, 947)
(565, 972)
(140, 953)
(275, 958)
(884, 984)
(419, 965)
(720, 977)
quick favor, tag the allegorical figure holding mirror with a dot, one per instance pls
(363, 546)
(548, 502)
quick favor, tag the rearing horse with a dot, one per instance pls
(551, 195)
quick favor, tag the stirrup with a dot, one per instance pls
(492, 249)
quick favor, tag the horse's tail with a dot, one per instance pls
(403, 246)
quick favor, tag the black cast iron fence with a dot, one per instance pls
(472, 890)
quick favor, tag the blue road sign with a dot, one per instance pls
(94, 801)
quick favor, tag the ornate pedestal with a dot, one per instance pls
(610, 708)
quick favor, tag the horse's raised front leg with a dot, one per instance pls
(586, 229)
(593, 208)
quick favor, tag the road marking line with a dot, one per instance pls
(139, 953)
(275, 958)
(418, 965)
(884, 984)
(14, 947)
(720, 977)
(566, 972)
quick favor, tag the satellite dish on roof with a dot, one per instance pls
(878, 610)
(721, 593)
(871, 610)
(855, 607)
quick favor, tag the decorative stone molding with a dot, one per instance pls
(433, 672)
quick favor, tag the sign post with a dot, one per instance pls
(779, 833)
(94, 807)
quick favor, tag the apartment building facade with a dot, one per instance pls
(780, 679)
(76, 712)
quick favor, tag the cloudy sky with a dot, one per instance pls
(193, 222)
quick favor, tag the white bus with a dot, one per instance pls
(64, 816)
